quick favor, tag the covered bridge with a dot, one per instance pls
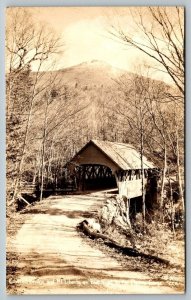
(103, 164)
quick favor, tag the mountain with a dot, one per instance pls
(85, 106)
(93, 73)
(76, 104)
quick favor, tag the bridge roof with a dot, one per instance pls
(124, 156)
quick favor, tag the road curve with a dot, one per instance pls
(54, 259)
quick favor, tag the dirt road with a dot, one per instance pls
(54, 259)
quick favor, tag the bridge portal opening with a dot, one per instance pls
(94, 177)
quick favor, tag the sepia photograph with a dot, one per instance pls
(95, 185)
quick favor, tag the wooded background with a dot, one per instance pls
(52, 113)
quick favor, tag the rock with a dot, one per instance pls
(94, 225)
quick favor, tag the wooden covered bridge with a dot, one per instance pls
(103, 165)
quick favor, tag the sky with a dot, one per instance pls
(85, 35)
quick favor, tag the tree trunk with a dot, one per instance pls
(163, 181)
(179, 171)
(172, 207)
(142, 180)
(43, 151)
(17, 182)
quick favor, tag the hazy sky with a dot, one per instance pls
(85, 35)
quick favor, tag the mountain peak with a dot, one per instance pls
(98, 62)
(93, 72)
(95, 63)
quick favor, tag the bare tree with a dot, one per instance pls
(167, 116)
(176, 141)
(153, 122)
(161, 39)
(27, 45)
(134, 110)
(59, 107)
(157, 112)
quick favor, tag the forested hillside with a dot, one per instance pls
(51, 114)
(91, 100)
